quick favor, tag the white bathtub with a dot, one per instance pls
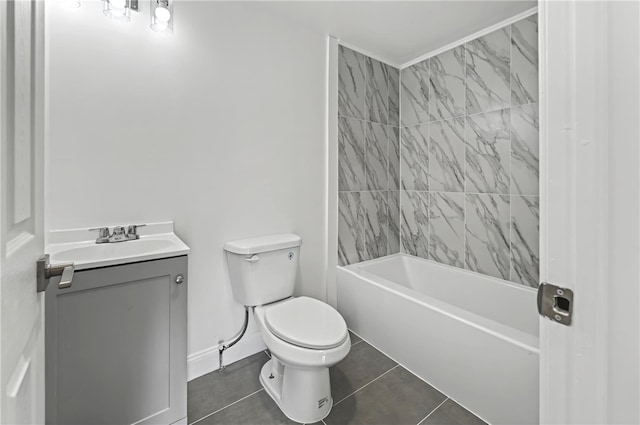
(473, 337)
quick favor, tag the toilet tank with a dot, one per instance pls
(263, 270)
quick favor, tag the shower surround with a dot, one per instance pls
(468, 158)
(368, 158)
(468, 198)
(469, 155)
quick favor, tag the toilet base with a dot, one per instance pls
(303, 394)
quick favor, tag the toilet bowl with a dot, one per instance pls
(305, 336)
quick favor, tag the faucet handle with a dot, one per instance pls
(103, 232)
(132, 230)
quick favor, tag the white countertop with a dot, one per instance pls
(157, 240)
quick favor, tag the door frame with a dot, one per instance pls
(560, 114)
(584, 150)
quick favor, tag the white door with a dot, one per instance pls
(590, 138)
(21, 210)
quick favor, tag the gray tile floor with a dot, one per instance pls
(367, 388)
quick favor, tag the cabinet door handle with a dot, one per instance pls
(179, 279)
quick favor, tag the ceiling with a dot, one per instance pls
(399, 31)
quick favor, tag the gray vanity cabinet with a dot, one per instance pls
(116, 345)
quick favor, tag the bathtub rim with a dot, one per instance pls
(508, 334)
(467, 272)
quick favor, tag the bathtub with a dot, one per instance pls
(473, 337)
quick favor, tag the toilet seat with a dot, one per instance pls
(307, 323)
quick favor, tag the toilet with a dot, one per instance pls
(305, 336)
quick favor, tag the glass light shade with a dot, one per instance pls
(162, 14)
(117, 9)
(160, 26)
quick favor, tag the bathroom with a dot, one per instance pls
(232, 124)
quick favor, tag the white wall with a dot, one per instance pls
(219, 127)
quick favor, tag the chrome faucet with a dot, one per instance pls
(132, 231)
(119, 234)
(103, 234)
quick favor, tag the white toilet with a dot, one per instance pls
(305, 336)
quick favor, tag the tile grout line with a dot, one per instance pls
(442, 191)
(400, 135)
(511, 149)
(228, 405)
(464, 163)
(421, 123)
(431, 413)
(364, 386)
(366, 126)
(430, 232)
(365, 121)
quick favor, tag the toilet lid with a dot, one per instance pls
(306, 322)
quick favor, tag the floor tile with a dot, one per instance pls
(215, 390)
(259, 408)
(451, 413)
(397, 398)
(354, 338)
(362, 365)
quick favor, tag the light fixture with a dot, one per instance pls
(120, 9)
(162, 15)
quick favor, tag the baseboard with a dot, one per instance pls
(206, 361)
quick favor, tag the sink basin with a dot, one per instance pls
(121, 250)
(78, 246)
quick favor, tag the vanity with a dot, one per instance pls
(116, 332)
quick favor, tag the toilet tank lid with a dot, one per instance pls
(263, 244)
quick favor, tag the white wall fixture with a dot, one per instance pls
(120, 10)
(161, 15)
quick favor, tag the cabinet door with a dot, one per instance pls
(116, 345)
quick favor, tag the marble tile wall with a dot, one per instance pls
(469, 156)
(368, 158)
